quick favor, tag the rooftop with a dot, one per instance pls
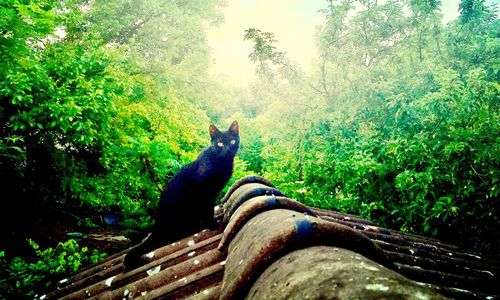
(269, 246)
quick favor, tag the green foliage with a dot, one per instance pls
(421, 176)
(84, 122)
(270, 62)
(22, 278)
(397, 122)
(98, 107)
(264, 52)
(473, 40)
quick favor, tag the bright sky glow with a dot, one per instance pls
(292, 21)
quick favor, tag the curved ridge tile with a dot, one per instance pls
(245, 180)
(159, 277)
(336, 234)
(271, 234)
(325, 272)
(253, 207)
(252, 247)
(243, 193)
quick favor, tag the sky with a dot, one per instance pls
(292, 21)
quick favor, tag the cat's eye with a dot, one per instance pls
(233, 142)
(220, 144)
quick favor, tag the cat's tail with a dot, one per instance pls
(134, 258)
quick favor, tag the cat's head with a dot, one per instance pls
(225, 143)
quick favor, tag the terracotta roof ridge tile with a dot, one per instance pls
(251, 208)
(255, 246)
(245, 180)
(245, 192)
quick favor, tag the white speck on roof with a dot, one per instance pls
(109, 280)
(154, 270)
(377, 287)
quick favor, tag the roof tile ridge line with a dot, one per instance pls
(114, 256)
(115, 260)
(451, 265)
(163, 259)
(245, 180)
(321, 211)
(254, 206)
(456, 280)
(188, 280)
(98, 287)
(339, 217)
(201, 261)
(106, 269)
(375, 231)
(76, 286)
(440, 249)
(457, 293)
(413, 238)
(106, 264)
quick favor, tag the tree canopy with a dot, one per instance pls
(396, 120)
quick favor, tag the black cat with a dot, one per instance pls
(187, 204)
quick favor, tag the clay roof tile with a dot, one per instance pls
(268, 245)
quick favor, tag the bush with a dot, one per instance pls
(23, 278)
(429, 166)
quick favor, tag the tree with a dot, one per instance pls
(393, 126)
(84, 122)
(473, 38)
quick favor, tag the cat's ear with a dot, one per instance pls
(214, 131)
(234, 127)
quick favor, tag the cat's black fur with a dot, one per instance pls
(187, 204)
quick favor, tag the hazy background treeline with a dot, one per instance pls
(397, 119)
